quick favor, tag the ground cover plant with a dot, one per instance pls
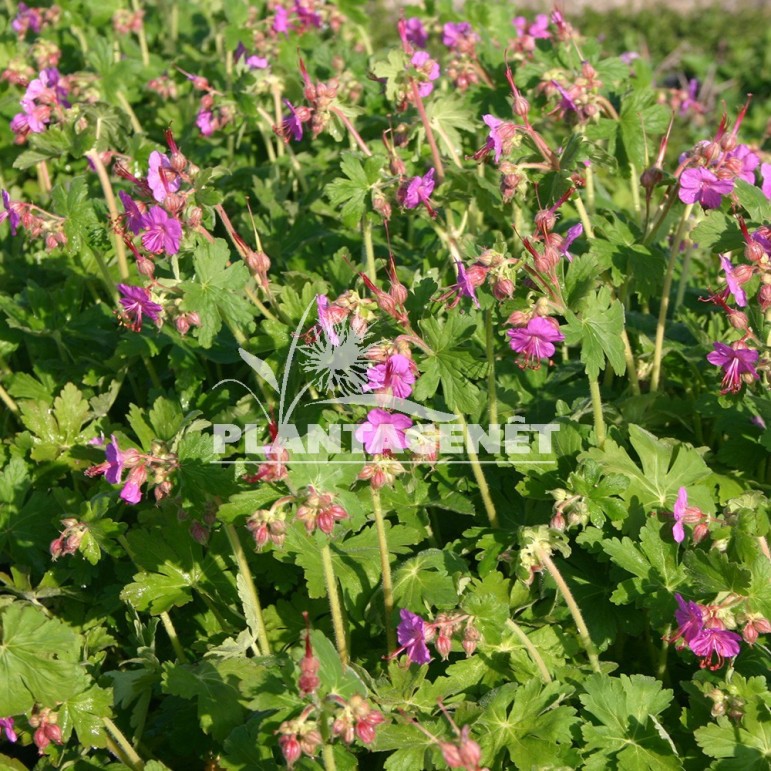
(379, 391)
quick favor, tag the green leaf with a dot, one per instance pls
(216, 687)
(426, 580)
(742, 750)
(638, 120)
(39, 660)
(216, 292)
(598, 329)
(85, 713)
(754, 200)
(718, 232)
(626, 708)
(713, 572)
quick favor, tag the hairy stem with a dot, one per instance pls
(492, 399)
(385, 567)
(430, 138)
(599, 420)
(131, 759)
(250, 589)
(334, 604)
(171, 632)
(531, 649)
(368, 247)
(582, 213)
(345, 120)
(8, 400)
(479, 476)
(142, 38)
(575, 611)
(109, 197)
(664, 308)
(328, 756)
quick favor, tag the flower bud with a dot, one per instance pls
(753, 251)
(290, 749)
(700, 532)
(182, 324)
(519, 318)
(764, 296)
(476, 275)
(651, 177)
(545, 220)
(381, 206)
(738, 320)
(470, 753)
(399, 293)
(503, 288)
(451, 755)
(443, 645)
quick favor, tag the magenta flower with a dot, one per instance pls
(416, 32)
(745, 161)
(26, 18)
(737, 364)
(13, 216)
(412, 637)
(326, 321)
(255, 62)
(715, 642)
(681, 506)
(281, 21)
(535, 341)
(114, 458)
(137, 303)
(204, 119)
(6, 724)
(573, 233)
(132, 490)
(419, 191)
(161, 178)
(163, 232)
(455, 35)
(465, 286)
(500, 131)
(383, 432)
(293, 123)
(422, 62)
(733, 282)
(765, 174)
(702, 186)
(690, 620)
(566, 102)
(394, 376)
(538, 29)
(135, 219)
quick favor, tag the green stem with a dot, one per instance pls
(345, 120)
(531, 649)
(8, 400)
(385, 567)
(328, 756)
(634, 186)
(599, 420)
(109, 197)
(479, 476)
(249, 588)
(334, 604)
(142, 37)
(590, 189)
(663, 309)
(683, 278)
(278, 111)
(575, 611)
(127, 108)
(582, 213)
(631, 364)
(368, 247)
(661, 672)
(132, 760)
(492, 399)
(430, 138)
(171, 632)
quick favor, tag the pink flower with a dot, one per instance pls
(733, 282)
(745, 162)
(383, 432)
(326, 321)
(465, 287)
(293, 123)
(132, 492)
(161, 178)
(422, 62)
(6, 724)
(765, 173)
(418, 191)
(135, 219)
(459, 35)
(163, 232)
(702, 186)
(715, 642)
(205, 122)
(415, 32)
(737, 364)
(115, 459)
(412, 637)
(535, 341)
(394, 377)
(281, 21)
(690, 620)
(10, 212)
(497, 135)
(137, 303)
(573, 233)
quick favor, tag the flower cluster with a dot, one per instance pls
(414, 634)
(688, 515)
(156, 467)
(47, 728)
(37, 222)
(34, 20)
(45, 97)
(69, 539)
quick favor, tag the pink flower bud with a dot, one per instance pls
(199, 532)
(764, 296)
(182, 324)
(451, 755)
(519, 318)
(700, 532)
(365, 731)
(545, 220)
(521, 106)
(743, 273)
(145, 267)
(749, 633)
(476, 274)
(470, 752)
(651, 177)
(738, 320)
(290, 749)
(443, 645)
(753, 251)
(503, 288)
